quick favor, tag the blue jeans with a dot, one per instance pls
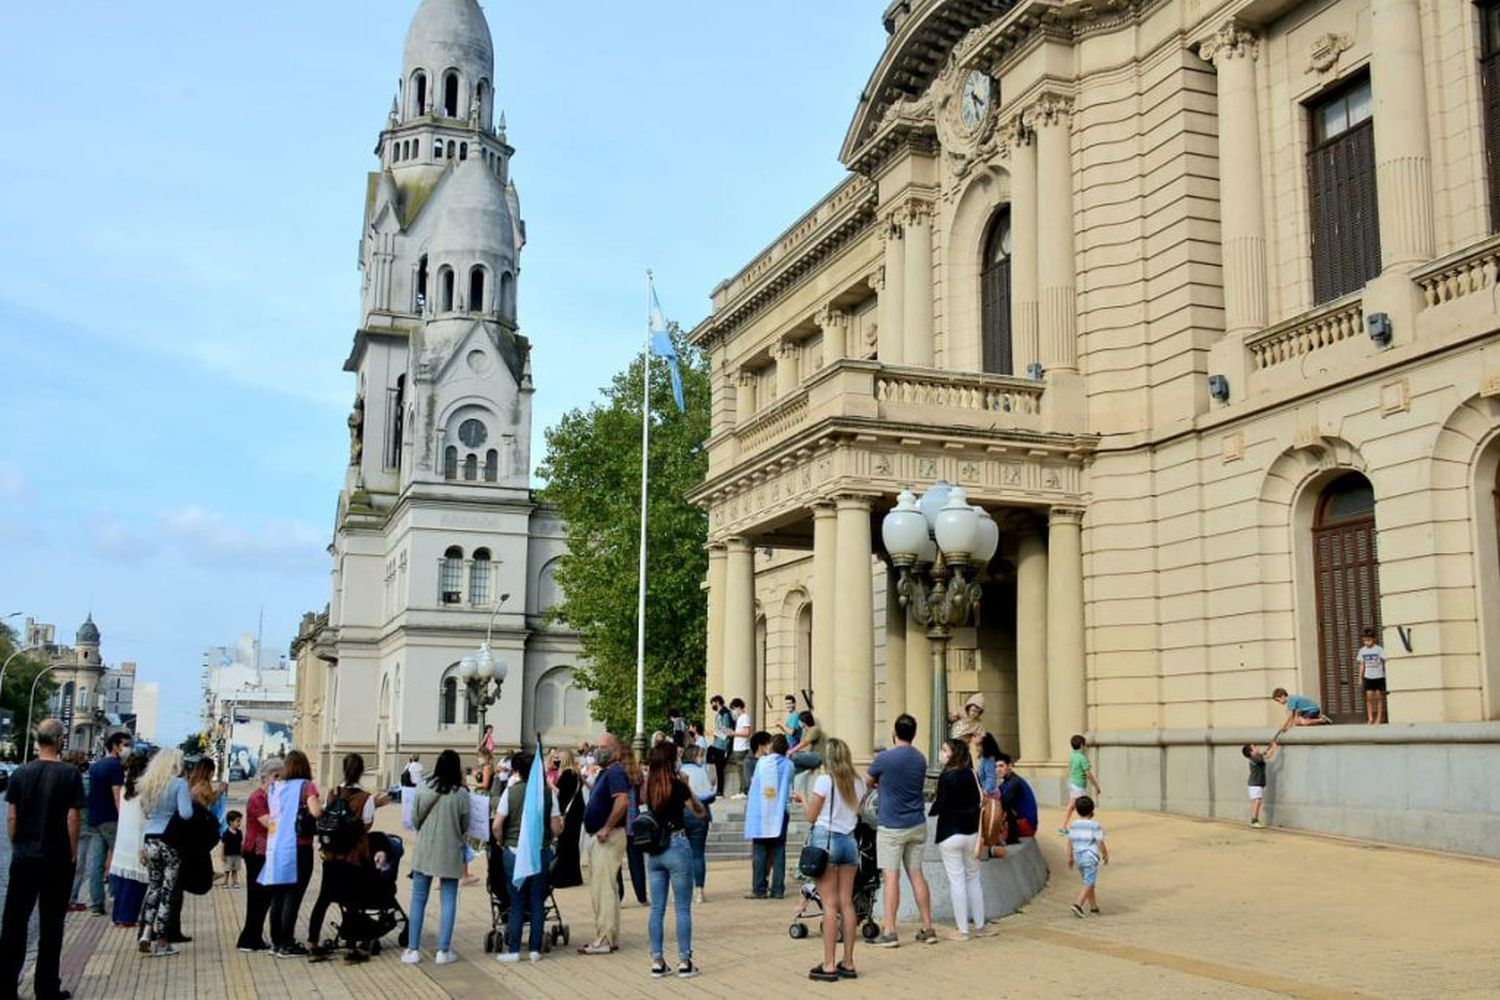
(697, 835)
(421, 886)
(530, 900)
(673, 867)
(768, 858)
(104, 843)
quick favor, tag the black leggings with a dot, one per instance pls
(257, 903)
(286, 900)
(339, 879)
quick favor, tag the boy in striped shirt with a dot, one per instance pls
(1088, 849)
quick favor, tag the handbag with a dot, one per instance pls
(813, 861)
(992, 826)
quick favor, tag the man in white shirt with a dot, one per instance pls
(739, 753)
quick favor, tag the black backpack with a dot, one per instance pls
(339, 827)
(648, 835)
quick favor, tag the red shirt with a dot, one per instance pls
(255, 830)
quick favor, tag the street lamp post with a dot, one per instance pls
(6, 665)
(31, 707)
(939, 544)
(482, 669)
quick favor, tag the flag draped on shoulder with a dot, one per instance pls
(770, 793)
(533, 816)
(662, 347)
(283, 801)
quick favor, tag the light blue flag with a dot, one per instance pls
(770, 793)
(283, 802)
(529, 847)
(662, 347)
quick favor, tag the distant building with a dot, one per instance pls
(248, 700)
(147, 709)
(119, 690)
(83, 682)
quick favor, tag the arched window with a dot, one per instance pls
(448, 703)
(419, 297)
(1347, 584)
(450, 94)
(476, 289)
(451, 149)
(450, 462)
(437, 149)
(479, 577)
(482, 94)
(560, 704)
(445, 293)
(419, 93)
(463, 151)
(507, 303)
(491, 465)
(451, 582)
(994, 295)
(471, 467)
(416, 148)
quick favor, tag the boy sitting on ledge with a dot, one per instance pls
(1301, 711)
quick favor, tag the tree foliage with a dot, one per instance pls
(16, 693)
(593, 475)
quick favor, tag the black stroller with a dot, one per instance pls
(372, 910)
(556, 935)
(866, 882)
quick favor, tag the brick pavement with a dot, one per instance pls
(1191, 909)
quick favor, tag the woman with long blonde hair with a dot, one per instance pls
(832, 811)
(163, 794)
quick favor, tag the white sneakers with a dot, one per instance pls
(508, 957)
(533, 956)
(411, 957)
(445, 958)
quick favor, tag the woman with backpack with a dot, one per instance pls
(293, 807)
(344, 835)
(957, 807)
(441, 816)
(669, 858)
(832, 812)
(164, 796)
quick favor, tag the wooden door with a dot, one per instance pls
(1347, 575)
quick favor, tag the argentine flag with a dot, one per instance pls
(529, 847)
(283, 802)
(662, 347)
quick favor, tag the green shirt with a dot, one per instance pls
(1078, 769)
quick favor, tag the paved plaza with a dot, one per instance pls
(1191, 909)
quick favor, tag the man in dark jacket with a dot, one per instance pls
(1017, 799)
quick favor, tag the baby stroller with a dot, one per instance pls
(866, 882)
(554, 936)
(371, 911)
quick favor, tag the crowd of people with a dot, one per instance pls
(150, 825)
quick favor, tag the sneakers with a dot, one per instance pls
(1257, 824)
(698, 896)
(1077, 911)
(958, 935)
(77, 907)
(887, 939)
(445, 958)
(927, 937)
(411, 957)
(251, 949)
(659, 968)
(687, 970)
(164, 949)
(985, 930)
(508, 957)
(293, 950)
(533, 956)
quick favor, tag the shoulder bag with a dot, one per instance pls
(992, 829)
(813, 860)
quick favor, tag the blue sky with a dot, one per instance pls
(178, 281)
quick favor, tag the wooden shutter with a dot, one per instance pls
(1345, 220)
(995, 318)
(1489, 71)
(1348, 594)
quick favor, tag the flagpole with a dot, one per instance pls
(640, 604)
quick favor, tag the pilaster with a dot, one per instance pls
(739, 620)
(890, 345)
(916, 335)
(1066, 712)
(718, 569)
(854, 655)
(1021, 149)
(825, 601)
(1051, 119)
(1031, 647)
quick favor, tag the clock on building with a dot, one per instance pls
(974, 101)
(472, 433)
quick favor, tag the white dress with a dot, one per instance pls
(128, 837)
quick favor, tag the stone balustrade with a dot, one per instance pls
(774, 422)
(1475, 269)
(1332, 324)
(952, 390)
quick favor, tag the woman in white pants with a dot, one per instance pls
(957, 810)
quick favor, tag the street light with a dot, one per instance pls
(24, 649)
(31, 707)
(938, 545)
(483, 668)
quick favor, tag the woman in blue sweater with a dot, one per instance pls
(163, 794)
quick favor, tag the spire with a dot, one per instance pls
(501, 130)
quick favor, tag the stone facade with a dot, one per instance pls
(1081, 267)
(439, 540)
(81, 699)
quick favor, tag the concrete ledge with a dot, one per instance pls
(1009, 883)
(1429, 786)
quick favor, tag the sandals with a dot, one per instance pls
(844, 972)
(822, 975)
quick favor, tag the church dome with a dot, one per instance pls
(449, 36)
(88, 632)
(474, 217)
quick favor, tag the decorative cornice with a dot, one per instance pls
(1049, 108)
(1231, 41)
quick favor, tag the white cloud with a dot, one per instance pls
(208, 537)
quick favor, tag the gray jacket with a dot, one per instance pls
(442, 823)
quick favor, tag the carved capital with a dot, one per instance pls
(834, 318)
(916, 212)
(747, 378)
(1231, 41)
(1014, 132)
(1065, 515)
(1048, 110)
(788, 350)
(876, 281)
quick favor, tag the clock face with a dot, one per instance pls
(974, 103)
(472, 433)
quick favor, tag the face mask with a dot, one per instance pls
(603, 757)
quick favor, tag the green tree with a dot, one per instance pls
(16, 692)
(194, 744)
(593, 475)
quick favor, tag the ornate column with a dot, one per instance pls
(825, 603)
(744, 397)
(1050, 118)
(895, 651)
(1031, 647)
(1233, 51)
(890, 347)
(1065, 692)
(718, 567)
(854, 614)
(916, 333)
(1403, 167)
(787, 375)
(835, 324)
(739, 621)
(918, 675)
(1023, 236)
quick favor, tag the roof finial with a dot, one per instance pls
(501, 130)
